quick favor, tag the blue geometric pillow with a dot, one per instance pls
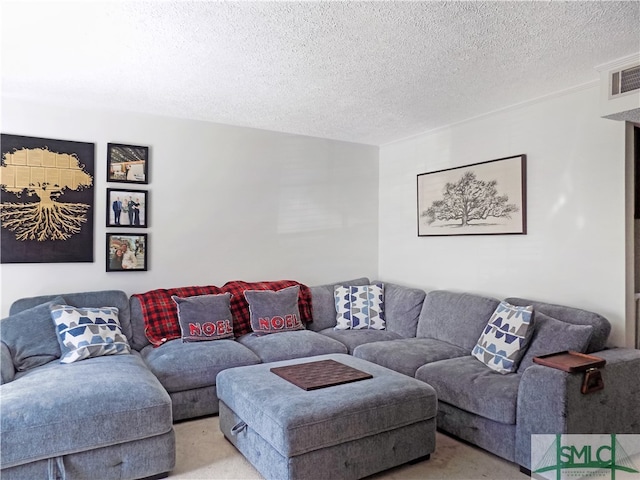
(88, 332)
(505, 338)
(359, 307)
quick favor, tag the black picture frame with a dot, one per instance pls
(136, 244)
(127, 163)
(485, 198)
(133, 211)
(53, 177)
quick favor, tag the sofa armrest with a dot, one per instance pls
(7, 369)
(550, 401)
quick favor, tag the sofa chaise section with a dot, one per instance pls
(107, 416)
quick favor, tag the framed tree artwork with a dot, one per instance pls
(486, 198)
(127, 208)
(46, 197)
(126, 252)
(127, 163)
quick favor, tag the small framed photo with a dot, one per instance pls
(126, 252)
(127, 208)
(127, 163)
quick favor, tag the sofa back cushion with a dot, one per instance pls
(575, 316)
(100, 298)
(455, 318)
(402, 307)
(552, 336)
(30, 336)
(46, 351)
(324, 305)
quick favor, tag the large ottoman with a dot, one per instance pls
(345, 431)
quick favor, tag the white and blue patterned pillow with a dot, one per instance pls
(88, 332)
(505, 338)
(359, 307)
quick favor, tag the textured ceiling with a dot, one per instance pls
(367, 72)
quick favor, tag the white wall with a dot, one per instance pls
(574, 252)
(225, 203)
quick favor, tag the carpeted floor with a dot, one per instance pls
(204, 454)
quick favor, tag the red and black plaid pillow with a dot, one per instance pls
(161, 315)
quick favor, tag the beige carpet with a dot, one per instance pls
(204, 454)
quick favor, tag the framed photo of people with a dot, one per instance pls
(127, 208)
(127, 163)
(126, 252)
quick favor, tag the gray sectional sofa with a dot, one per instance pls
(117, 411)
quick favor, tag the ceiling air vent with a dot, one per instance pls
(625, 81)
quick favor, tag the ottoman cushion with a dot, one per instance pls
(295, 421)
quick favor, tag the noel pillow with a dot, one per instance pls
(274, 311)
(204, 317)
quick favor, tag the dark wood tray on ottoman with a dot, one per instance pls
(321, 374)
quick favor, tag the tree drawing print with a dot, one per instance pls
(469, 200)
(41, 174)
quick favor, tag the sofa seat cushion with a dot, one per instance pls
(470, 385)
(352, 338)
(294, 344)
(80, 406)
(185, 366)
(408, 354)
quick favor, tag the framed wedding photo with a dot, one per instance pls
(127, 208)
(127, 163)
(127, 252)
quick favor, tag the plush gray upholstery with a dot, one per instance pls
(477, 389)
(455, 318)
(408, 354)
(108, 416)
(95, 402)
(352, 338)
(122, 414)
(285, 345)
(576, 316)
(186, 366)
(402, 307)
(500, 412)
(549, 401)
(289, 424)
(323, 304)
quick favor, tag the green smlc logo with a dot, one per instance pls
(588, 456)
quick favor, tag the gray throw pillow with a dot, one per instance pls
(205, 317)
(31, 336)
(552, 336)
(274, 311)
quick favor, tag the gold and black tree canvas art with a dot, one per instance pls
(46, 200)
